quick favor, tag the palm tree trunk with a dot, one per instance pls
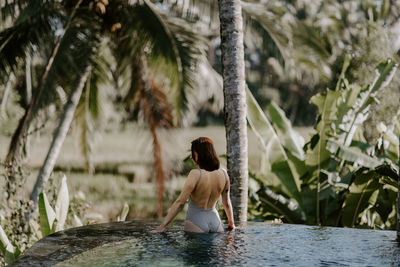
(398, 199)
(159, 170)
(231, 27)
(28, 97)
(59, 136)
(28, 79)
(144, 83)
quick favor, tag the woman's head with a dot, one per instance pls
(203, 153)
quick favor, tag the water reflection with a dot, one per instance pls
(226, 248)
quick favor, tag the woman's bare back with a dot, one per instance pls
(209, 188)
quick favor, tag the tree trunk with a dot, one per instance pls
(398, 198)
(59, 136)
(145, 85)
(231, 27)
(28, 97)
(4, 99)
(28, 79)
(159, 170)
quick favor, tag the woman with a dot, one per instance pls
(203, 187)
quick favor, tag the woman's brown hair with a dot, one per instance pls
(207, 158)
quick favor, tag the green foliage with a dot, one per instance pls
(277, 166)
(9, 251)
(292, 140)
(343, 181)
(47, 215)
(17, 234)
(50, 220)
(362, 191)
(314, 37)
(124, 213)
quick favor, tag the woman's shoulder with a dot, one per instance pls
(194, 173)
(197, 171)
(224, 170)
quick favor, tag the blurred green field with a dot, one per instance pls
(130, 149)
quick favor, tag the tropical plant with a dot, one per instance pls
(338, 179)
(124, 213)
(174, 52)
(55, 212)
(50, 220)
(46, 18)
(23, 235)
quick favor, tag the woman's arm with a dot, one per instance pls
(226, 201)
(189, 186)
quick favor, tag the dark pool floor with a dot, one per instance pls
(259, 244)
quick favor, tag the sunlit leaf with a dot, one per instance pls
(7, 248)
(354, 105)
(352, 155)
(62, 204)
(328, 114)
(124, 213)
(290, 139)
(47, 215)
(275, 153)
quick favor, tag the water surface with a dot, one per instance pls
(259, 244)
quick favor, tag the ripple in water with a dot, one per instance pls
(259, 244)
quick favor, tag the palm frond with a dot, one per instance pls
(144, 27)
(208, 93)
(71, 55)
(34, 27)
(191, 50)
(171, 45)
(312, 38)
(92, 107)
(9, 11)
(257, 38)
(203, 11)
(86, 126)
(259, 15)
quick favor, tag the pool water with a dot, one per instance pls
(259, 244)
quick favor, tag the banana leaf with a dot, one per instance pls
(356, 102)
(362, 192)
(290, 139)
(392, 137)
(281, 205)
(275, 153)
(385, 203)
(317, 153)
(352, 155)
